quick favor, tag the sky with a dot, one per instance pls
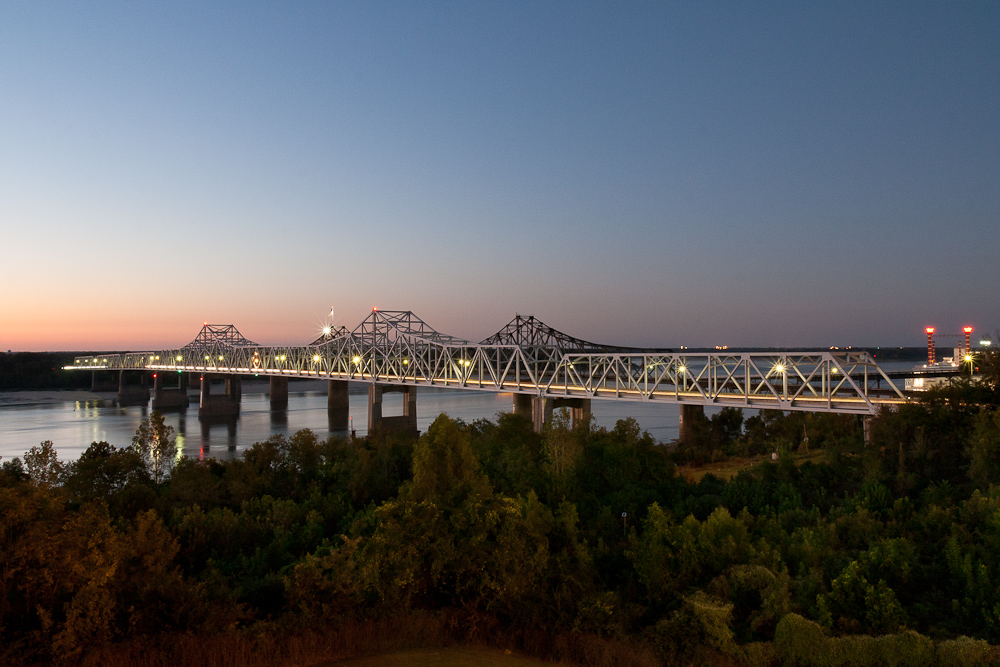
(632, 173)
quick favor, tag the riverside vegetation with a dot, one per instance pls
(581, 545)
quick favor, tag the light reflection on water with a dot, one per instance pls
(73, 425)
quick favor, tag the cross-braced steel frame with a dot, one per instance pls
(526, 356)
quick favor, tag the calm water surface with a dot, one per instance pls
(73, 425)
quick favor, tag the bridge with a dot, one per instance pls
(541, 367)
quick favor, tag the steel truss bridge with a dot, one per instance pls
(528, 357)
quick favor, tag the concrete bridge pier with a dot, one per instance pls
(338, 407)
(220, 406)
(522, 405)
(132, 394)
(579, 410)
(542, 407)
(689, 413)
(278, 391)
(406, 422)
(541, 412)
(167, 398)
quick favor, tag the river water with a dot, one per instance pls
(73, 420)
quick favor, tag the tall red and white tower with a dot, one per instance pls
(930, 345)
(968, 334)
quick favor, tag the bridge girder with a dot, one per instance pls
(397, 347)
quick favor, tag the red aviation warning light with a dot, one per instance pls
(930, 345)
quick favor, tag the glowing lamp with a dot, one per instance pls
(930, 330)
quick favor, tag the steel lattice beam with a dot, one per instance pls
(397, 347)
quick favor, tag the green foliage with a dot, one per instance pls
(155, 446)
(700, 626)
(562, 448)
(43, 466)
(445, 470)
(585, 533)
(983, 449)
(800, 642)
(671, 558)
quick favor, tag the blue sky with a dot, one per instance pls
(636, 173)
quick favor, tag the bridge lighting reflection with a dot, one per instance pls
(207, 357)
(683, 369)
(406, 361)
(779, 368)
(356, 360)
(315, 357)
(326, 331)
(180, 358)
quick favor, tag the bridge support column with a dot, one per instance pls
(866, 423)
(132, 394)
(579, 410)
(688, 414)
(406, 422)
(338, 407)
(541, 412)
(167, 398)
(522, 405)
(220, 406)
(278, 389)
(374, 406)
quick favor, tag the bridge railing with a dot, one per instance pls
(813, 381)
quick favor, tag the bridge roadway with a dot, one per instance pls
(543, 368)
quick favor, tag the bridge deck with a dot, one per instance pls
(396, 348)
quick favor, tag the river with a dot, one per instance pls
(74, 419)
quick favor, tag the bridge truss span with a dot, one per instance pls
(527, 357)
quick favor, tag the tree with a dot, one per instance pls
(153, 443)
(44, 468)
(562, 448)
(983, 449)
(445, 471)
